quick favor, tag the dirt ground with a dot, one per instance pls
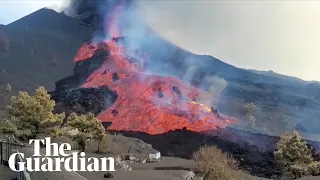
(168, 168)
(6, 173)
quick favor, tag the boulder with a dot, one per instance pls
(126, 167)
(118, 160)
(190, 175)
(132, 158)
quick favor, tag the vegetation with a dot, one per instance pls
(8, 127)
(28, 115)
(248, 109)
(104, 144)
(8, 87)
(293, 156)
(84, 127)
(214, 164)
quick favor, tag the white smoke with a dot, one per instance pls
(212, 95)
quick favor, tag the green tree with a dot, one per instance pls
(100, 136)
(32, 115)
(84, 127)
(293, 156)
(7, 126)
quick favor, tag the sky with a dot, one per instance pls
(283, 36)
(11, 10)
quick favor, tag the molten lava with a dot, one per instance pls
(207, 108)
(146, 102)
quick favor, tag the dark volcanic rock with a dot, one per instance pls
(68, 82)
(83, 100)
(82, 70)
(86, 67)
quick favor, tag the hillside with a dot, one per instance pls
(280, 76)
(282, 104)
(41, 46)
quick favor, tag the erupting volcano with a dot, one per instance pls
(146, 102)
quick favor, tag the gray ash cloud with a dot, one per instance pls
(94, 12)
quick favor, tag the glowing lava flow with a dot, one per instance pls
(147, 103)
(207, 108)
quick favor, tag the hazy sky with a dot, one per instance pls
(283, 36)
(11, 10)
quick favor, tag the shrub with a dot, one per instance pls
(293, 156)
(81, 139)
(104, 144)
(214, 164)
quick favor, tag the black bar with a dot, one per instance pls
(7, 151)
(1, 152)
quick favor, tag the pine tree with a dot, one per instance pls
(293, 156)
(33, 114)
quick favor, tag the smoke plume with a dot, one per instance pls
(96, 13)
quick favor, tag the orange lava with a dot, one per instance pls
(147, 102)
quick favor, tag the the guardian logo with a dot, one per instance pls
(56, 156)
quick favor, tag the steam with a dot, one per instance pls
(216, 86)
